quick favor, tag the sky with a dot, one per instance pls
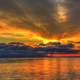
(39, 20)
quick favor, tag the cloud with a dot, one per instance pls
(44, 17)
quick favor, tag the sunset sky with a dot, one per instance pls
(39, 20)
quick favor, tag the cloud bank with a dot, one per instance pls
(45, 18)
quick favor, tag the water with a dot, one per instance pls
(40, 69)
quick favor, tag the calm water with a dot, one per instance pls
(41, 69)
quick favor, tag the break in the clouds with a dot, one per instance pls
(44, 17)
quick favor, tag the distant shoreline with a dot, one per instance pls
(23, 59)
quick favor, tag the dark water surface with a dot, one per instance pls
(41, 69)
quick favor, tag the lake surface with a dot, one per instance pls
(40, 69)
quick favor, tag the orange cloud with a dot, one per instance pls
(21, 34)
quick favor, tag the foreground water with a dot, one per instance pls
(40, 69)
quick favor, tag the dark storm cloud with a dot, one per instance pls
(74, 15)
(39, 15)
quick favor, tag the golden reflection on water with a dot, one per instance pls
(41, 69)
